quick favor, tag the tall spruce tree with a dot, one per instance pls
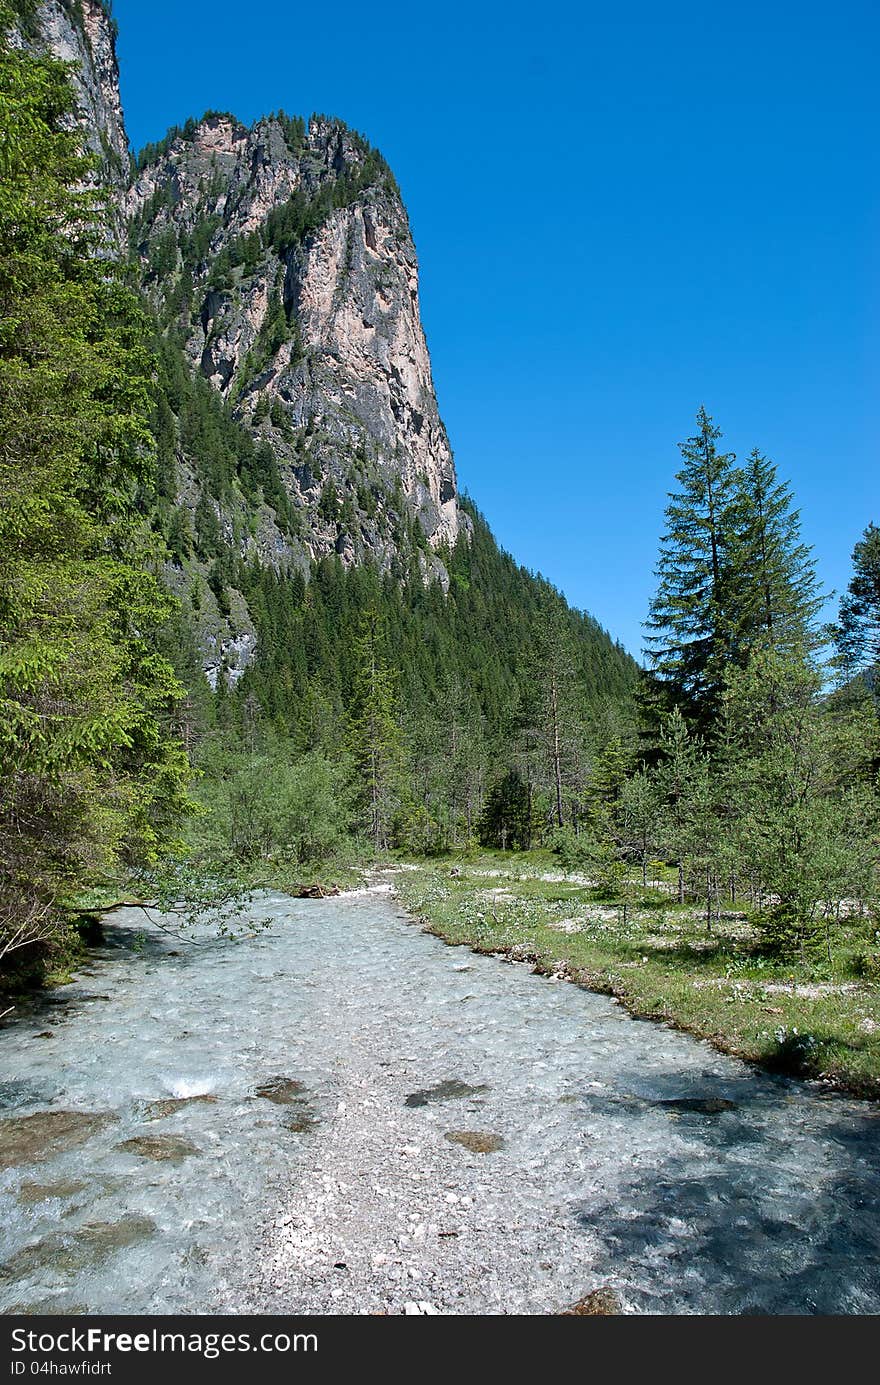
(858, 632)
(552, 690)
(689, 618)
(772, 591)
(375, 738)
(733, 576)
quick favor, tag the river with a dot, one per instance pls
(341, 1114)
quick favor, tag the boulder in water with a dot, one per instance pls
(477, 1141)
(43, 1134)
(170, 1148)
(599, 1303)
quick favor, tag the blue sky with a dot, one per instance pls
(621, 212)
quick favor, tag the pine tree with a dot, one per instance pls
(858, 633)
(507, 818)
(689, 615)
(553, 693)
(467, 752)
(803, 835)
(772, 589)
(638, 817)
(682, 778)
(375, 739)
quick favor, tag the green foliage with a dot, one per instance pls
(293, 128)
(24, 14)
(774, 596)
(683, 782)
(858, 633)
(92, 774)
(242, 252)
(275, 331)
(163, 256)
(481, 635)
(294, 221)
(375, 738)
(691, 639)
(195, 244)
(191, 419)
(733, 576)
(265, 802)
(807, 837)
(507, 820)
(639, 820)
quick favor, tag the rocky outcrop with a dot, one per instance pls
(285, 257)
(280, 257)
(82, 33)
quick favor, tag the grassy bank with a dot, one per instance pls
(815, 1019)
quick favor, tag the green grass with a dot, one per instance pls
(823, 1022)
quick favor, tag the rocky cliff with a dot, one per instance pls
(283, 257)
(83, 33)
(297, 432)
(279, 260)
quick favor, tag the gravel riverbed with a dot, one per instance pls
(344, 1115)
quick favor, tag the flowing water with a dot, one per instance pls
(156, 1114)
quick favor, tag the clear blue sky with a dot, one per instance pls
(621, 211)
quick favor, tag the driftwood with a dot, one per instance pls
(315, 891)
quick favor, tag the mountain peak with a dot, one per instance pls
(281, 254)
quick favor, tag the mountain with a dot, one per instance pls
(296, 421)
(283, 256)
(83, 34)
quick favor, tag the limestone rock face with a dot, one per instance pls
(82, 33)
(289, 253)
(280, 258)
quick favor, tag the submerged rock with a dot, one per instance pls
(284, 1091)
(167, 1106)
(287, 1091)
(88, 1245)
(701, 1105)
(103, 1237)
(170, 1148)
(599, 1303)
(43, 1134)
(301, 1121)
(444, 1091)
(41, 1192)
(477, 1141)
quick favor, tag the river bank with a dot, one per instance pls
(814, 1020)
(339, 1114)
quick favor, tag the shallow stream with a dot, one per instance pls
(157, 1115)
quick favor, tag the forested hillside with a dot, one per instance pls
(194, 573)
(250, 628)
